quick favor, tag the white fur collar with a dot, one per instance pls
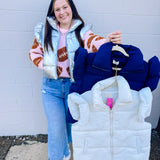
(124, 91)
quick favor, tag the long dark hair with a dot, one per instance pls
(48, 28)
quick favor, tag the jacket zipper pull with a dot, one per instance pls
(110, 102)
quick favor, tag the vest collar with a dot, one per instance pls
(53, 23)
(124, 92)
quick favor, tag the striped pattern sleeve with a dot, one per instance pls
(92, 42)
(36, 54)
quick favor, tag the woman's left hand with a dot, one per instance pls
(114, 37)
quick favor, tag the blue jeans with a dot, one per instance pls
(54, 96)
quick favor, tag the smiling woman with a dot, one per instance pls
(53, 51)
(63, 13)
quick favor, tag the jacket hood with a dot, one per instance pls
(153, 73)
(134, 62)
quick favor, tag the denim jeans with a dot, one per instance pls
(54, 96)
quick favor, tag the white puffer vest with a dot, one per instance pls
(120, 133)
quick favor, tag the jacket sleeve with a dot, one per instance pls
(78, 108)
(36, 54)
(80, 59)
(145, 95)
(153, 73)
(92, 42)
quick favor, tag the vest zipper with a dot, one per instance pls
(111, 133)
(59, 36)
(68, 57)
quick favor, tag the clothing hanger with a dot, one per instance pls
(116, 71)
(116, 68)
(120, 49)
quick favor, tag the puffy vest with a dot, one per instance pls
(50, 57)
(119, 133)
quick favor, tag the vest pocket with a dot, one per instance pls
(138, 144)
(143, 142)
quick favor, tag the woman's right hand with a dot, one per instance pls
(114, 37)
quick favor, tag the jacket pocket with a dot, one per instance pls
(143, 142)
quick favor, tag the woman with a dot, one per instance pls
(53, 51)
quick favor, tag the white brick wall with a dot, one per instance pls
(21, 110)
